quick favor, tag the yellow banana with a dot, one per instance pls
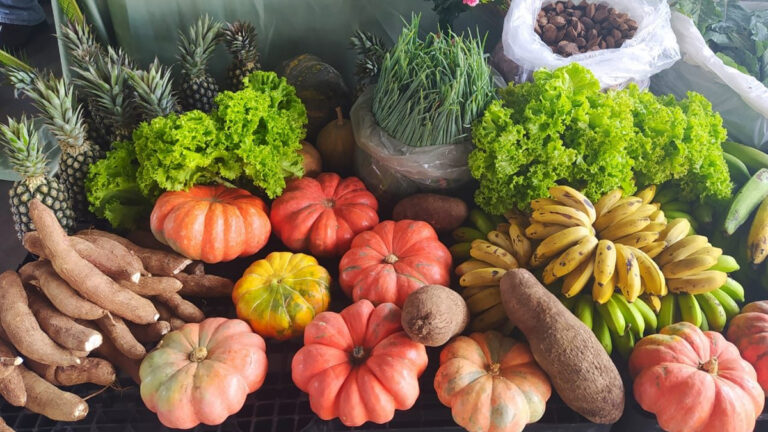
(541, 202)
(492, 254)
(623, 208)
(484, 300)
(656, 227)
(548, 275)
(639, 239)
(628, 269)
(540, 231)
(624, 228)
(658, 216)
(710, 251)
(573, 198)
(681, 249)
(558, 242)
(650, 273)
(647, 194)
(688, 266)
(489, 319)
(654, 249)
(654, 302)
(574, 256)
(560, 214)
(472, 290)
(607, 201)
(576, 280)
(469, 265)
(601, 292)
(605, 261)
(500, 239)
(676, 230)
(645, 210)
(757, 241)
(521, 246)
(484, 276)
(699, 283)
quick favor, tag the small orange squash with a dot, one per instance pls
(749, 331)
(313, 163)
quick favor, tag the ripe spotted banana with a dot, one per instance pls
(574, 256)
(541, 202)
(573, 198)
(623, 208)
(484, 276)
(521, 246)
(688, 266)
(500, 239)
(647, 194)
(639, 239)
(469, 265)
(601, 292)
(576, 280)
(607, 201)
(492, 254)
(484, 300)
(651, 275)
(699, 283)
(681, 249)
(560, 214)
(540, 231)
(624, 228)
(757, 240)
(710, 251)
(605, 261)
(628, 269)
(676, 230)
(556, 243)
(654, 249)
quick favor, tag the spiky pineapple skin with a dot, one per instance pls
(237, 71)
(73, 169)
(199, 93)
(50, 193)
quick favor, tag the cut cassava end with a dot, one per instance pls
(12, 388)
(8, 359)
(150, 333)
(61, 328)
(82, 275)
(182, 308)
(106, 261)
(157, 262)
(92, 370)
(109, 352)
(433, 314)
(46, 399)
(42, 275)
(153, 285)
(581, 371)
(117, 253)
(118, 332)
(21, 326)
(204, 285)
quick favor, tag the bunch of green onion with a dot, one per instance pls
(429, 92)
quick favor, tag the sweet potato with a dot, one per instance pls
(444, 213)
(153, 285)
(8, 359)
(182, 308)
(46, 399)
(61, 328)
(4, 426)
(12, 388)
(157, 262)
(119, 264)
(581, 371)
(22, 328)
(118, 332)
(42, 275)
(204, 285)
(109, 352)
(82, 275)
(92, 370)
(150, 333)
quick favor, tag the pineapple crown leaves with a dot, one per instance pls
(20, 142)
(154, 95)
(371, 51)
(80, 43)
(55, 98)
(196, 47)
(240, 38)
(19, 74)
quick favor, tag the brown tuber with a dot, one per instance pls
(12, 388)
(150, 333)
(433, 314)
(118, 332)
(8, 359)
(204, 285)
(182, 308)
(61, 328)
(153, 285)
(42, 275)
(46, 399)
(92, 370)
(157, 262)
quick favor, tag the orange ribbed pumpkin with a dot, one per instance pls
(211, 223)
(749, 332)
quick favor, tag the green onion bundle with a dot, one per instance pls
(429, 92)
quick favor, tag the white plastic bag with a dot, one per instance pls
(652, 49)
(392, 170)
(741, 99)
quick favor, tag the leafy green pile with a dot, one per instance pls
(738, 36)
(253, 137)
(562, 129)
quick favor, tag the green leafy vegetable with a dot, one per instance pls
(562, 129)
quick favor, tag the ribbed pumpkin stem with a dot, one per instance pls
(710, 366)
(198, 354)
(494, 369)
(358, 355)
(390, 259)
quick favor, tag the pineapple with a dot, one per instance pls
(371, 51)
(21, 144)
(240, 40)
(198, 88)
(154, 95)
(64, 117)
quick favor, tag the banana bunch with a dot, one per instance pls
(616, 323)
(708, 311)
(493, 246)
(611, 242)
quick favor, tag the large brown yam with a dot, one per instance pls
(203, 285)
(46, 399)
(156, 262)
(42, 275)
(153, 285)
(82, 275)
(12, 388)
(61, 328)
(92, 370)
(581, 371)
(8, 359)
(118, 332)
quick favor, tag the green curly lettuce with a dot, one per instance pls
(113, 191)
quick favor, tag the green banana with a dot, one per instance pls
(648, 315)
(612, 316)
(667, 311)
(467, 234)
(603, 334)
(632, 316)
(675, 214)
(665, 194)
(734, 289)
(738, 170)
(624, 343)
(726, 264)
(460, 251)
(704, 213)
(704, 324)
(584, 310)
(482, 221)
(713, 310)
(753, 158)
(729, 305)
(746, 201)
(689, 308)
(676, 206)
